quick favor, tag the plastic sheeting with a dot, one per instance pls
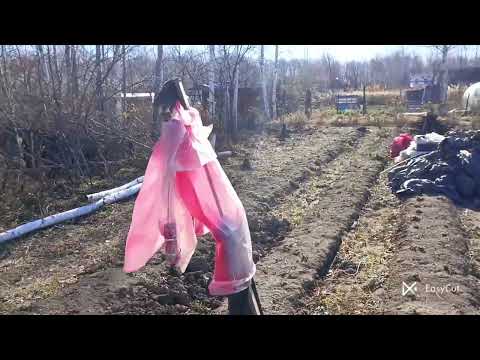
(421, 144)
(471, 98)
(400, 143)
(185, 194)
(452, 170)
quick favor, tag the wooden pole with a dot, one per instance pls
(364, 101)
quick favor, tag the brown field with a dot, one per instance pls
(328, 235)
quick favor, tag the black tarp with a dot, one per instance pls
(452, 170)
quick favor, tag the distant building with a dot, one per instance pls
(420, 80)
(423, 89)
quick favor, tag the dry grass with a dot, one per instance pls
(475, 122)
(467, 122)
(296, 120)
(361, 266)
(389, 117)
(38, 267)
(383, 98)
(455, 97)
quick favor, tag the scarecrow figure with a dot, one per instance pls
(186, 194)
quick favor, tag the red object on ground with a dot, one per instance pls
(400, 143)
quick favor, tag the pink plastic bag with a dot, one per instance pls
(400, 143)
(185, 187)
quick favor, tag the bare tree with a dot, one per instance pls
(191, 66)
(352, 73)
(98, 82)
(264, 82)
(68, 70)
(156, 129)
(211, 80)
(333, 69)
(74, 76)
(443, 73)
(124, 78)
(235, 92)
(41, 69)
(274, 86)
(229, 63)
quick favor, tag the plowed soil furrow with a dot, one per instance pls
(322, 209)
(344, 187)
(354, 283)
(76, 268)
(470, 221)
(425, 243)
(280, 166)
(431, 271)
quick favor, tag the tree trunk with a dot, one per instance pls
(226, 108)
(58, 74)
(68, 71)
(103, 63)
(98, 82)
(51, 76)
(235, 102)
(43, 63)
(211, 81)
(124, 78)
(56, 97)
(364, 101)
(40, 70)
(21, 155)
(74, 72)
(235, 99)
(156, 128)
(274, 86)
(264, 83)
(444, 83)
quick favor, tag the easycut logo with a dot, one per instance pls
(409, 289)
(439, 290)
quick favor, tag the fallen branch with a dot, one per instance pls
(415, 114)
(67, 215)
(99, 195)
(458, 111)
(224, 154)
(105, 198)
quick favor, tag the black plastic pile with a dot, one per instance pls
(452, 170)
